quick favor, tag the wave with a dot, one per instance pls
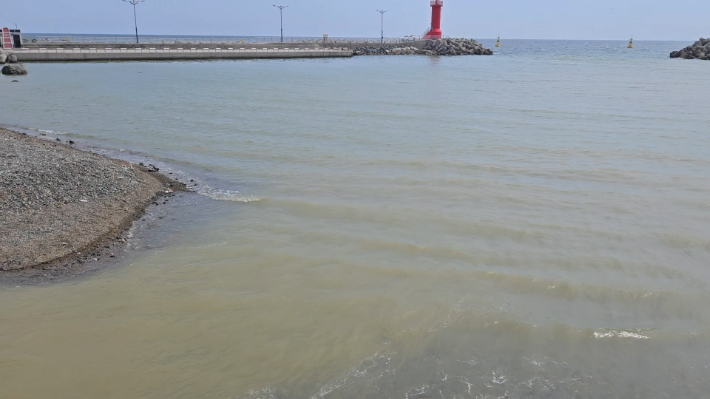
(219, 194)
(31, 130)
(636, 334)
(488, 356)
(48, 131)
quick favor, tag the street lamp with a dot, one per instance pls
(382, 31)
(281, 10)
(134, 3)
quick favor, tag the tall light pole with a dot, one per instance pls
(382, 26)
(281, 10)
(134, 3)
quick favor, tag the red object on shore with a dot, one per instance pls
(6, 39)
(435, 32)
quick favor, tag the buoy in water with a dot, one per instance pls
(631, 43)
(498, 42)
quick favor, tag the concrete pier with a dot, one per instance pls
(419, 44)
(58, 54)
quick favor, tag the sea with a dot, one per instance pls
(532, 224)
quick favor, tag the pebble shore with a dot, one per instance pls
(61, 206)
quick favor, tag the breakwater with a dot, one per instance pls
(176, 45)
(431, 47)
(60, 52)
(13, 68)
(699, 50)
(156, 54)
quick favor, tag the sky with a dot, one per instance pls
(513, 19)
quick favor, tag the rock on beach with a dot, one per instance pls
(14, 70)
(57, 202)
(699, 50)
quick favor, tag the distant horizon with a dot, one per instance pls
(652, 20)
(337, 37)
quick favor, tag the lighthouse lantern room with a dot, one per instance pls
(435, 31)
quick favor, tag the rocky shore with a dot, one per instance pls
(699, 50)
(13, 68)
(432, 47)
(62, 206)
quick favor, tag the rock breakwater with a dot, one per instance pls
(699, 50)
(11, 58)
(14, 70)
(456, 47)
(432, 47)
(389, 50)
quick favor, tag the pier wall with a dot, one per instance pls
(173, 46)
(153, 54)
(419, 44)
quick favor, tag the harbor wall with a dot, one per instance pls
(172, 46)
(419, 44)
(111, 54)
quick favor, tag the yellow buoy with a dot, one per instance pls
(498, 42)
(631, 43)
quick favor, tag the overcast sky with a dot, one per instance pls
(523, 19)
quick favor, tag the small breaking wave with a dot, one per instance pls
(225, 195)
(42, 132)
(635, 334)
(49, 131)
(30, 130)
(379, 361)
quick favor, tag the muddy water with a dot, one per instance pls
(533, 224)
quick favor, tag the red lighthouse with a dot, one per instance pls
(435, 32)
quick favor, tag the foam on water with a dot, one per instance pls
(50, 132)
(620, 334)
(225, 195)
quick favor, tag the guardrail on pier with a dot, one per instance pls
(55, 39)
(152, 54)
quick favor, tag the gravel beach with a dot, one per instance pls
(60, 205)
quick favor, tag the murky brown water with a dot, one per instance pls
(542, 232)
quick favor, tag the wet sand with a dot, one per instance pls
(64, 208)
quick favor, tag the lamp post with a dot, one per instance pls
(382, 25)
(134, 3)
(281, 11)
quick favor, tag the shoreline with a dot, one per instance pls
(65, 208)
